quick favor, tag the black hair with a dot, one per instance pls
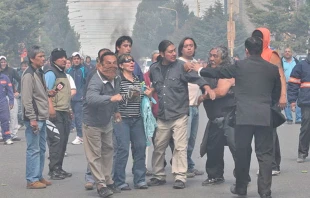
(181, 45)
(120, 40)
(254, 45)
(106, 54)
(257, 33)
(162, 47)
(24, 63)
(103, 49)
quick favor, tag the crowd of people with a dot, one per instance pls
(114, 107)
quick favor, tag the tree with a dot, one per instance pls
(289, 25)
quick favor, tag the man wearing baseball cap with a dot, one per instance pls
(14, 77)
(78, 72)
(58, 125)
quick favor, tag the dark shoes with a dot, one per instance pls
(301, 158)
(289, 121)
(65, 173)
(104, 192)
(178, 184)
(142, 186)
(56, 175)
(213, 181)
(113, 188)
(156, 182)
(265, 196)
(238, 191)
(16, 139)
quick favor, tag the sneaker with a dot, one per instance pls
(89, 186)
(238, 191)
(156, 182)
(104, 192)
(301, 159)
(178, 184)
(66, 154)
(298, 122)
(142, 186)
(196, 172)
(65, 173)
(8, 142)
(190, 175)
(77, 141)
(257, 173)
(44, 181)
(265, 196)
(276, 173)
(113, 188)
(16, 139)
(213, 181)
(36, 185)
(56, 175)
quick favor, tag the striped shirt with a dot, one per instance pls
(130, 107)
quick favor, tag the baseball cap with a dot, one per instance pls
(76, 54)
(2, 57)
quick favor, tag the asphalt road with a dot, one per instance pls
(291, 183)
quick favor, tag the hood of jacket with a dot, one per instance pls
(267, 52)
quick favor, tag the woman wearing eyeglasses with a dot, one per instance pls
(130, 129)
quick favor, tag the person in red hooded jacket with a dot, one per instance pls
(274, 58)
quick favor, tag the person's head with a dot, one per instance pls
(108, 65)
(3, 62)
(59, 57)
(167, 52)
(23, 65)
(253, 46)
(76, 59)
(218, 55)
(123, 45)
(288, 54)
(88, 59)
(68, 63)
(36, 56)
(154, 56)
(187, 48)
(102, 51)
(126, 63)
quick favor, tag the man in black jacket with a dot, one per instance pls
(257, 85)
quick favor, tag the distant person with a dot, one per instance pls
(289, 62)
(15, 80)
(79, 73)
(123, 46)
(88, 63)
(23, 67)
(6, 92)
(299, 92)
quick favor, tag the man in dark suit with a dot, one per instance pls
(257, 85)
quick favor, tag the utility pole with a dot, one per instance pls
(231, 33)
(198, 8)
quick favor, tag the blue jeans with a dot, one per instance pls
(35, 155)
(88, 176)
(77, 108)
(288, 113)
(192, 128)
(130, 130)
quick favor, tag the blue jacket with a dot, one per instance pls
(79, 74)
(5, 90)
(299, 83)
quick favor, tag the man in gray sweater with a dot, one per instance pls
(100, 105)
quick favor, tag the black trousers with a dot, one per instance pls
(276, 154)
(215, 151)
(57, 137)
(304, 136)
(263, 148)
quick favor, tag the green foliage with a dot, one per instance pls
(290, 26)
(34, 22)
(153, 25)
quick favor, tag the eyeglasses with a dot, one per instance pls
(128, 60)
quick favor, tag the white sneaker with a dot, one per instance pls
(8, 142)
(77, 141)
(275, 173)
(257, 173)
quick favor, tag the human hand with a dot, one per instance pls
(116, 98)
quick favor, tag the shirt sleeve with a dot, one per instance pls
(71, 81)
(50, 79)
